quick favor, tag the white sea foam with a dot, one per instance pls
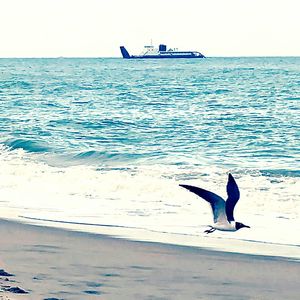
(146, 202)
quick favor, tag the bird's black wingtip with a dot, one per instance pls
(230, 177)
(188, 187)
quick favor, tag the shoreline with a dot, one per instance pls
(217, 242)
(61, 264)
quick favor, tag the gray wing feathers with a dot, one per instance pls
(216, 202)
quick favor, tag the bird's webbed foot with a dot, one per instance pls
(210, 230)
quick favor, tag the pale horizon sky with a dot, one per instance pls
(96, 28)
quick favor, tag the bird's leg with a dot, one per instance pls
(210, 230)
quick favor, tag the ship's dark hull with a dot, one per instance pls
(164, 56)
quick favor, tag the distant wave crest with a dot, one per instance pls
(92, 156)
(27, 145)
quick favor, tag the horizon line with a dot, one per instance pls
(120, 57)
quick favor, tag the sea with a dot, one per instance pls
(101, 145)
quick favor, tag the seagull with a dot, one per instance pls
(222, 211)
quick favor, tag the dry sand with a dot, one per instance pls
(52, 263)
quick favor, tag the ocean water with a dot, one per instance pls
(102, 145)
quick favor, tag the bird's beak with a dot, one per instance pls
(247, 226)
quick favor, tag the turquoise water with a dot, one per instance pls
(129, 131)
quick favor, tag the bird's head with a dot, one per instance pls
(239, 225)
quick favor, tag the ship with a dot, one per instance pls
(161, 52)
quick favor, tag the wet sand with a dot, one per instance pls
(51, 263)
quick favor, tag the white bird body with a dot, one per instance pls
(225, 226)
(222, 211)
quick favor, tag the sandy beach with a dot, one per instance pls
(51, 263)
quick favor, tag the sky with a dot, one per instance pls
(96, 28)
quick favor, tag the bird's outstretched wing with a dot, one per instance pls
(217, 203)
(233, 197)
